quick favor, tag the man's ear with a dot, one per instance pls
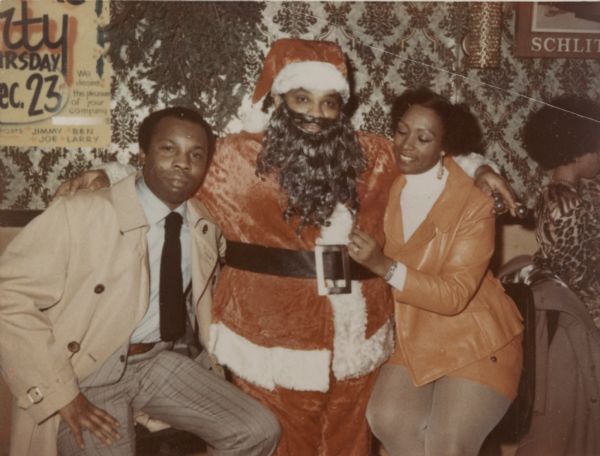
(277, 100)
(141, 158)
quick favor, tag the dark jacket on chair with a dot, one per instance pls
(574, 340)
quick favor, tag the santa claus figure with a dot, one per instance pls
(302, 328)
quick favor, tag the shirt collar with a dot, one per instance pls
(154, 209)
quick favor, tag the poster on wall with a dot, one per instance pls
(54, 77)
(558, 29)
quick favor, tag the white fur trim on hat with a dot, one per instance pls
(311, 75)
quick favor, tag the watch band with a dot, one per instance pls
(388, 275)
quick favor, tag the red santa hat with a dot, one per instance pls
(294, 63)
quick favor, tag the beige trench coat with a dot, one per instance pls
(73, 285)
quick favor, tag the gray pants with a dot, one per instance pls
(450, 416)
(177, 390)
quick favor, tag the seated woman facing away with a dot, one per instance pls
(563, 137)
(458, 352)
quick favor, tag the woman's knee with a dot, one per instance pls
(445, 445)
(449, 443)
(462, 435)
(376, 418)
(385, 421)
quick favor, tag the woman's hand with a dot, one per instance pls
(364, 250)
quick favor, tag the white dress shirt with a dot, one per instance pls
(148, 329)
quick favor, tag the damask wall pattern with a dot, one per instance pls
(208, 54)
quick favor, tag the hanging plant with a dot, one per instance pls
(186, 53)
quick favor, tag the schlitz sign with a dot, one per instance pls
(558, 30)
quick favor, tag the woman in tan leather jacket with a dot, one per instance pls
(457, 362)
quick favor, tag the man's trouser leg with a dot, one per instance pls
(175, 389)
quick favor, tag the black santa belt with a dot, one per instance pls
(329, 264)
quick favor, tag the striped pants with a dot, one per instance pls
(177, 390)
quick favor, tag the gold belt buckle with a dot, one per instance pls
(327, 286)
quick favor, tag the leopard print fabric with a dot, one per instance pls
(568, 235)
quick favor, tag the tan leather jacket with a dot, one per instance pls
(452, 311)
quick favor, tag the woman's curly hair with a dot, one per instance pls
(563, 130)
(462, 132)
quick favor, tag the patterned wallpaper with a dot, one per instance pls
(207, 54)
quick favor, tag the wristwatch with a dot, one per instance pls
(388, 275)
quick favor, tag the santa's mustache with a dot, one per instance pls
(299, 119)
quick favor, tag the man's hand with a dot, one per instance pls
(81, 414)
(89, 180)
(364, 250)
(498, 188)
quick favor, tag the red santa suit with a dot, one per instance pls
(310, 358)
